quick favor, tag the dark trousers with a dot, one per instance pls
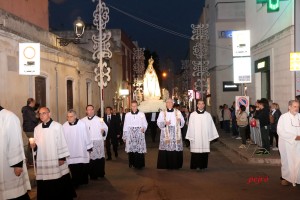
(114, 143)
(221, 125)
(226, 124)
(153, 129)
(265, 137)
(28, 149)
(272, 135)
(234, 128)
(243, 133)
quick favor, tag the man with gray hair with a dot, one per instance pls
(52, 174)
(79, 145)
(288, 130)
(170, 121)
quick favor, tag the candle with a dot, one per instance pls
(31, 140)
(101, 120)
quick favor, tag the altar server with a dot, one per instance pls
(135, 126)
(97, 130)
(201, 131)
(53, 177)
(79, 144)
(14, 180)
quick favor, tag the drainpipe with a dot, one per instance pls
(56, 88)
(297, 41)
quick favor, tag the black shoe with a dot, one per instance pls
(108, 158)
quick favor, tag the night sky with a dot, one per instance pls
(175, 15)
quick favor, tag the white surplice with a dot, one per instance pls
(170, 137)
(94, 127)
(11, 153)
(201, 130)
(51, 146)
(135, 138)
(288, 129)
(78, 141)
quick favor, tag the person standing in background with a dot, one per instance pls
(113, 124)
(274, 117)
(30, 121)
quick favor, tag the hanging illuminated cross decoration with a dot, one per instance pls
(272, 5)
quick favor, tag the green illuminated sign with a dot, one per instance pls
(272, 5)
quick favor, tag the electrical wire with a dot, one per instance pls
(150, 23)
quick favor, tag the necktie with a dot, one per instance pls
(108, 120)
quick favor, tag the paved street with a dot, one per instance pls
(226, 178)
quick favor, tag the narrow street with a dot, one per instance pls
(227, 177)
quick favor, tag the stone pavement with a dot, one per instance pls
(225, 145)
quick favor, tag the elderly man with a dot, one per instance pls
(14, 181)
(97, 130)
(170, 122)
(134, 135)
(79, 144)
(288, 130)
(53, 177)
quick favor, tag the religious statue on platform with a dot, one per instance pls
(151, 85)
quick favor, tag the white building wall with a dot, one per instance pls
(58, 64)
(222, 16)
(263, 24)
(272, 34)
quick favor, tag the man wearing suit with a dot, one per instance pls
(152, 119)
(113, 123)
(121, 116)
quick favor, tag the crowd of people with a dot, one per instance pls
(69, 155)
(277, 131)
(265, 113)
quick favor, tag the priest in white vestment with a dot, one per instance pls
(201, 131)
(170, 122)
(151, 85)
(97, 130)
(52, 172)
(79, 145)
(134, 129)
(14, 180)
(288, 130)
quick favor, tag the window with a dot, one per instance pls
(40, 90)
(69, 94)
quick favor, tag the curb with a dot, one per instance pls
(249, 158)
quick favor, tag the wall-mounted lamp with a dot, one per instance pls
(79, 27)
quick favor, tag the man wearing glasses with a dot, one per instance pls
(52, 175)
(288, 130)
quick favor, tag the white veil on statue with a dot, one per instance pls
(151, 84)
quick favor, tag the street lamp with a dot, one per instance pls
(79, 27)
(164, 74)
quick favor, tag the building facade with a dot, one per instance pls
(67, 73)
(222, 17)
(272, 40)
(121, 64)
